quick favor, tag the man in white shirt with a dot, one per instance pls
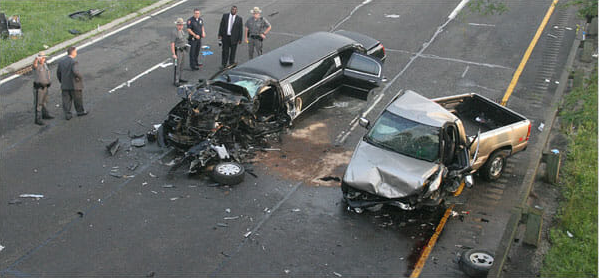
(230, 32)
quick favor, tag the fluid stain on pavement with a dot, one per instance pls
(307, 155)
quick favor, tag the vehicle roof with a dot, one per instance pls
(417, 108)
(305, 51)
(364, 40)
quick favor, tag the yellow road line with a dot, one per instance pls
(431, 242)
(531, 46)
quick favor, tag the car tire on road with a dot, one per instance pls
(494, 166)
(476, 262)
(229, 173)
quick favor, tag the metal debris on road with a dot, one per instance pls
(152, 175)
(139, 142)
(144, 183)
(273, 14)
(222, 225)
(392, 15)
(296, 210)
(247, 234)
(454, 213)
(174, 198)
(228, 210)
(1, 247)
(231, 217)
(80, 213)
(286, 271)
(151, 274)
(168, 186)
(133, 166)
(154, 192)
(541, 127)
(113, 147)
(337, 274)
(36, 196)
(330, 178)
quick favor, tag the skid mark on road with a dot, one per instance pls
(350, 15)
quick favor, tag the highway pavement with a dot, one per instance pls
(286, 221)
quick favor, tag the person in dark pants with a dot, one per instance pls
(256, 29)
(41, 84)
(230, 32)
(71, 83)
(195, 28)
(178, 48)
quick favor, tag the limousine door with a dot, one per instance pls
(362, 74)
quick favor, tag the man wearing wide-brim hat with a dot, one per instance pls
(256, 28)
(178, 49)
(41, 84)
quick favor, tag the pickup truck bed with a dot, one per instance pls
(476, 111)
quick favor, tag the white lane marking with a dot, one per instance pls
(412, 59)
(350, 14)
(355, 122)
(167, 8)
(127, 83)
(458, 9)
(465, 71)
(9, 78)
(431, 56)
(481, 24)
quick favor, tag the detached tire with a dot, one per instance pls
(230, 173)
(494, 166)
(476, 262)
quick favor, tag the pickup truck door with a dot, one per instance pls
(362, 74)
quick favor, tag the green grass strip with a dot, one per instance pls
(577, 256)
(46, 22)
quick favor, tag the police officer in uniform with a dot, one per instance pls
(256, 28)
(195, 28)
(178, 48)
(41, 84)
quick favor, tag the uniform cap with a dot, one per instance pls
(256, 10)
(42, 54)
(180, 21)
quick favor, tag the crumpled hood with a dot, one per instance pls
(386, 174)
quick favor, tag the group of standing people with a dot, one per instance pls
(230, 35)
(71, 85)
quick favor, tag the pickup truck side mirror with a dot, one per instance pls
(365, 123)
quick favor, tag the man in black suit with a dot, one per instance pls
(229, 32)
(71, 83)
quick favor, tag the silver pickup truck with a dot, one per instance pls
(419, 151)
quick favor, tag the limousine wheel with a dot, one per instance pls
(230, 173)
(476, 263)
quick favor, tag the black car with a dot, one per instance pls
(245, 102)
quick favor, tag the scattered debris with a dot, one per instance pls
(1, 247)
(228, 210)
(151, 274)
(225, 254)
(75, 31)
(15, 202)
(547, 80)
(154, 192)
(171, 163)
(247, 234)
(296, 210)
(392, 15)
(36, 196)
(133, 166)
(541, 126)
(231, 217)
(139, 142)
(144, 183)
(174, 198)
(86, 15)
(454, 213)
(570, 235)
(273, 14)
(168, 186)
(113, 147)
(337, 274)
(80, 213)
(115, 174)
(152, 175)
(222, 225)
(552, 35)
(206, 53)
(286, 271)
(330, 178)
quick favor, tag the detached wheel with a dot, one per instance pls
(494, 166)
(476, 262)
(230, 173)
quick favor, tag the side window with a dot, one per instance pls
(363, 64)
(313, 75)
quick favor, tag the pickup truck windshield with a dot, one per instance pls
(406, 137)
(250, 84)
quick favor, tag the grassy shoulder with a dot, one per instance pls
(576, 256)
(47, 22)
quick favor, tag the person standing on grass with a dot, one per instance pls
(178, 48)
(230, 32)
(71, 83)
(195, 28)
(41, 83)
(256, 29)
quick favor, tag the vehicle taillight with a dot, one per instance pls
(528, 134)
(383, 49)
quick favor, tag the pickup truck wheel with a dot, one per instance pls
(476, 262)
(230, 173)
(494, 166)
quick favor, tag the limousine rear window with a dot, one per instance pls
(363, 64)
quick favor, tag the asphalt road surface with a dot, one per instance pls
(285, 222)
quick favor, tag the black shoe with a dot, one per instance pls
(182, 80)
(39, 121)
(68, 116)
(195, 68)
(80, 114)
(47, 117)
